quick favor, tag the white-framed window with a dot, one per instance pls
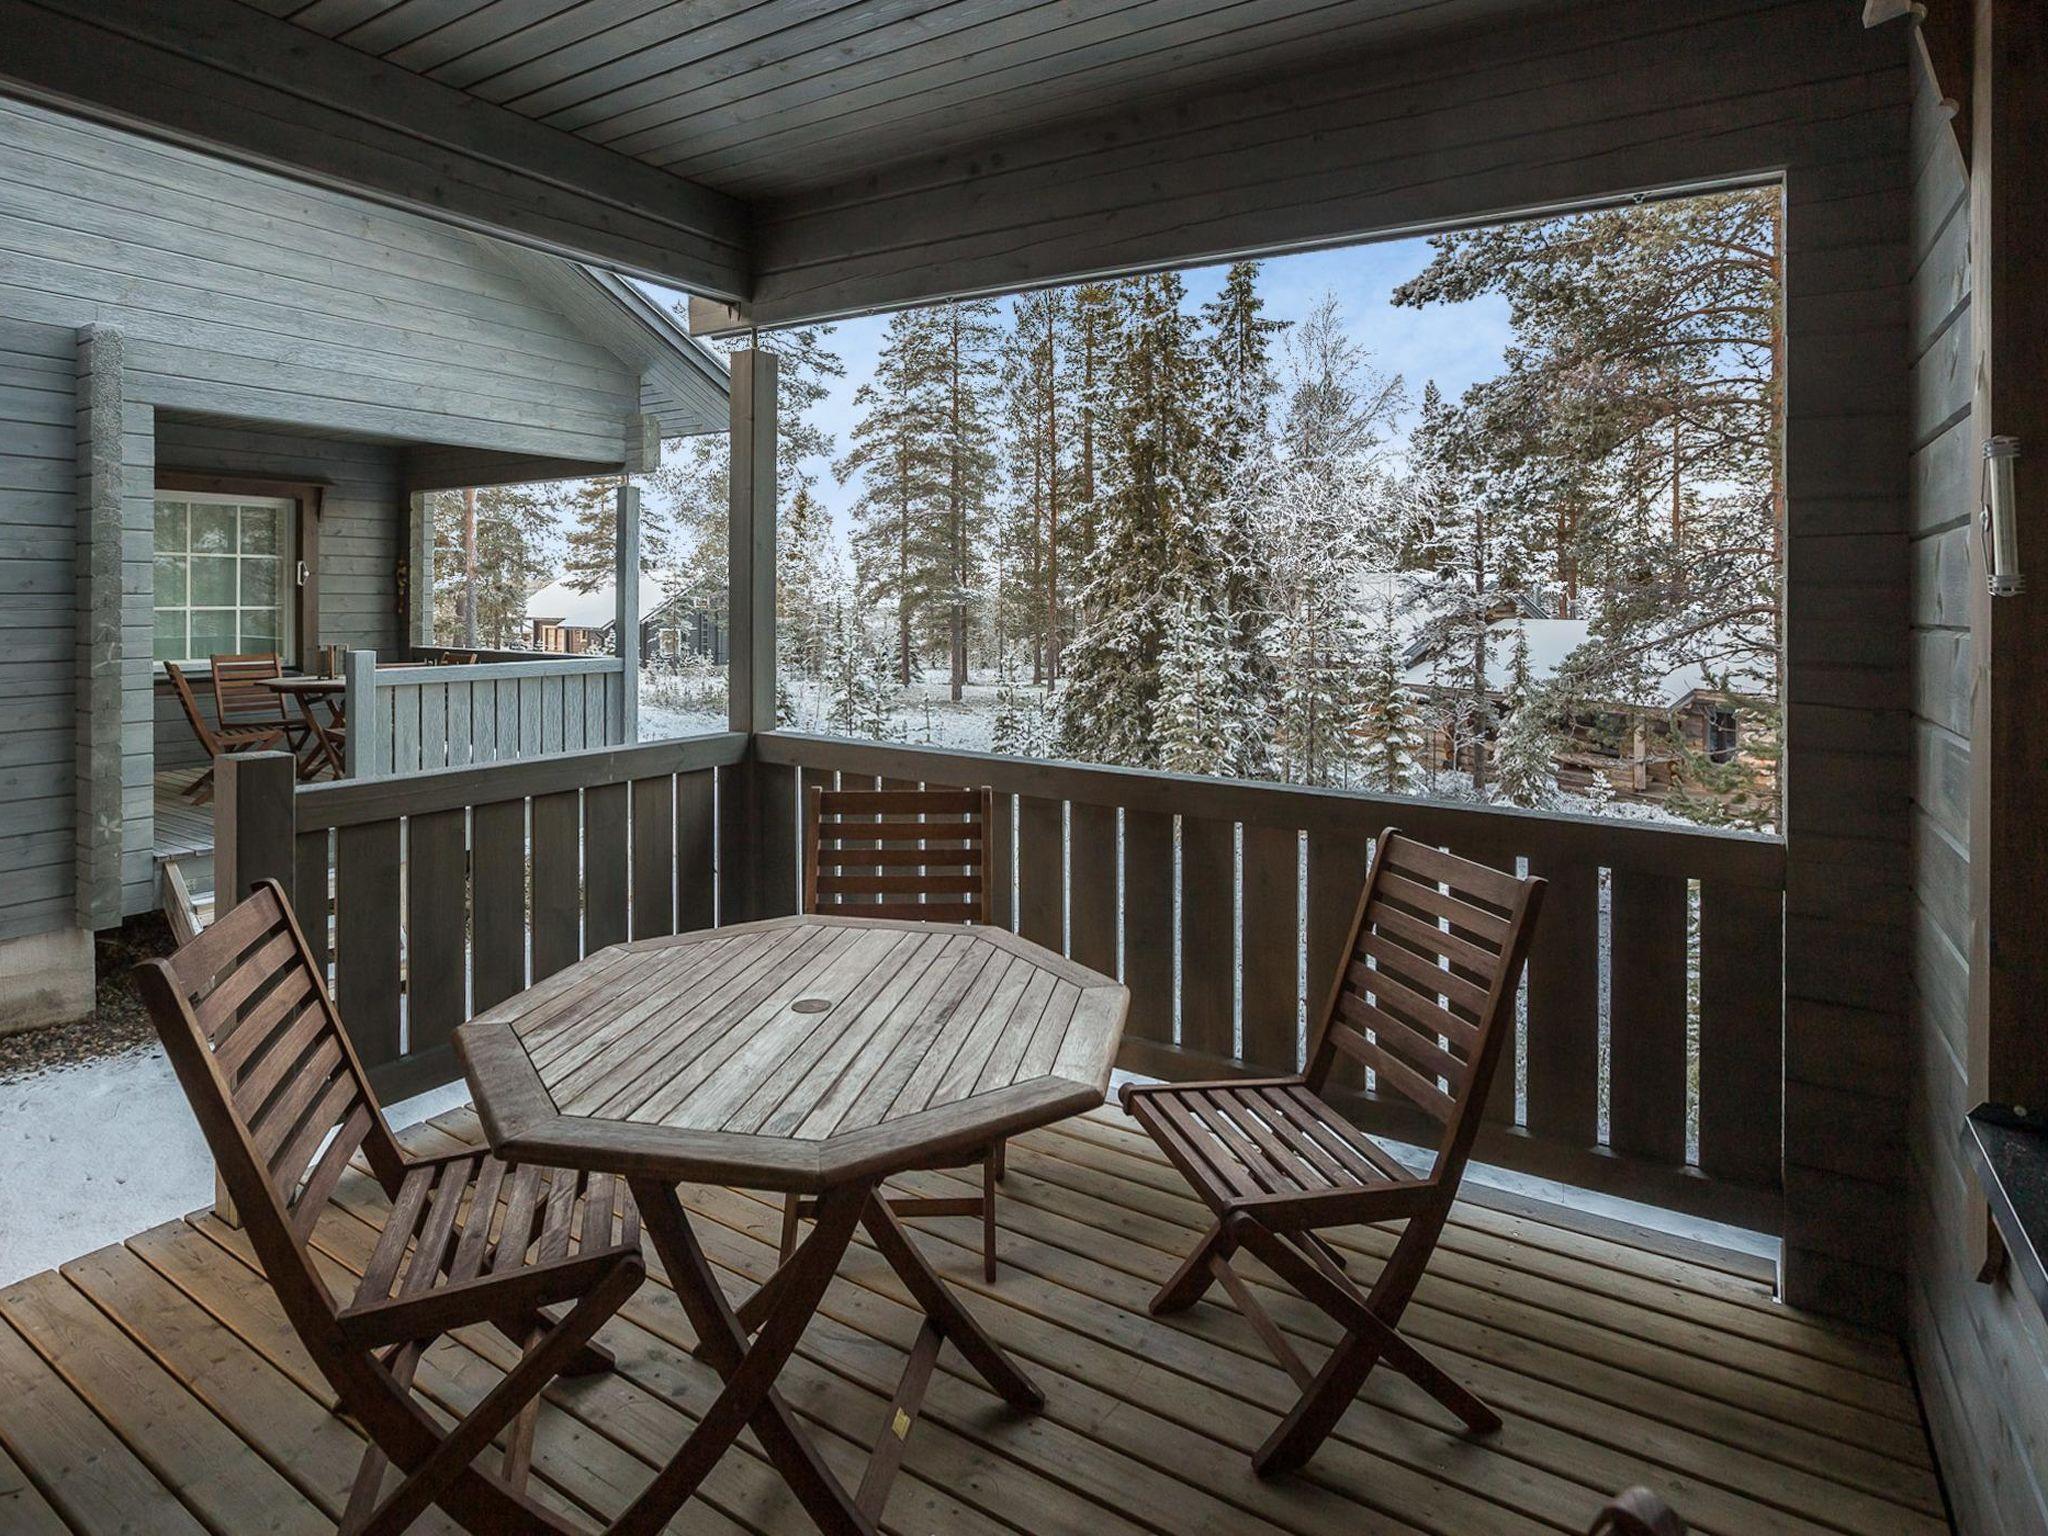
(224, 568)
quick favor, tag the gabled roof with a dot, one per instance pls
(682, 381)
(560, 603)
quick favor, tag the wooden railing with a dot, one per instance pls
(1223, 906)
(417, 719)
(1653, 1002)
(450, 891)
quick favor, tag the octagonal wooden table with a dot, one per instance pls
(817, 1055)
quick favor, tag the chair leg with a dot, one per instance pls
(789, 1220)
(504, 1402)
(1002, 1160)
(590, 1360)
(989, 1175)
(1191, 1282)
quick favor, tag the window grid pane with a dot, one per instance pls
(219, 579)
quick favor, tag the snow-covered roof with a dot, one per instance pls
(1550, 642)
(560, 603)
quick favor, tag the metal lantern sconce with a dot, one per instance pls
(1998, 521)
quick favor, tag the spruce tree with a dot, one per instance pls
(969, 333)
(1040, 402)
(1155, 546)
(1390, 742)
(899, 453)
(1526, 765)
(591, 506)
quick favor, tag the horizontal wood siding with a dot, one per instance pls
(243, 295)
(38, 522)
(1981, 1349)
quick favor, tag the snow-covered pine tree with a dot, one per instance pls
(898, 451)
(1094, 337)
(970, 332)
(1199, 728)
(1155, 544)
(1321, 519)
(1389, 739)
(1040, 402)
(857, 678)
(1474, 567)
(1239, 386)
(1526, 764)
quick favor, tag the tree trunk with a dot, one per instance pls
(468, 567)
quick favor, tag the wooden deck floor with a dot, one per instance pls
(154, 1386)
(182, 828)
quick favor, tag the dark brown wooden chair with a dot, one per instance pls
(281, 1096)
(241, 702)
(920, 854)
(1425, 1001)
(214, 743)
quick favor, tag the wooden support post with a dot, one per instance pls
(360, 706)
(254, 838)
(628, 588)
(419, 572)
(751, 552)
(100, 650)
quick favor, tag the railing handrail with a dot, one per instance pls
(402, 676)
(354, 802)
(1742, 858)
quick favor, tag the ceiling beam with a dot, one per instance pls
(223, 77)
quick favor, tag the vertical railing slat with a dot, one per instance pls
(497, 841)
(1091, 879)
(557, 879)
(1564, 1007)
(1742, 1032)
(460, 731)
(1208, 948)
(654, 856)
(1041, 871)
(436, 924)
(606, 856)
(366, 936)
(1002, 855)
(696, 850)
(1272, 947)
(1646, 1055)
(1336, 880)
(1148, 924)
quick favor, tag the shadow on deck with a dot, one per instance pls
(155, 1385)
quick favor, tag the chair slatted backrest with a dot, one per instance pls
(905, 853)
(239, 697)
(194, 715)
(249, 1026)
(1426, 996)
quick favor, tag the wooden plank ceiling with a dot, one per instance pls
(770, 98)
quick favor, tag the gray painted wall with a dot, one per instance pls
(267, 329)
(1981, 1350)
(38, 516)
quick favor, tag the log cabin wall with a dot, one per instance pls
(1584, 105)
(1980, 1349)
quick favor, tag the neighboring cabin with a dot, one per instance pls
(195, 355)
(566, 619)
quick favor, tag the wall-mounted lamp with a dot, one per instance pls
(1999, 520)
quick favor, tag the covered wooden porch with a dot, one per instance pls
(155, 1385)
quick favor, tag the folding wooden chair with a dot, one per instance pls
(281, 1096)
(216, 743)
(1425, 1001)
(920, 854)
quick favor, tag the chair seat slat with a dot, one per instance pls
(922, 912)
(475, 1246)
(517, 1234)
(431, 1254)
(895, 830)
(1250, 1115)
(559, 1220)
(404, 1220)
(1368, 1162)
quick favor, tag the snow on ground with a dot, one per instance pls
(96, 1152)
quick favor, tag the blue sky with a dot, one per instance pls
(1456, 345)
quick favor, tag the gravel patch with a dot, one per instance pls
(118, 1027)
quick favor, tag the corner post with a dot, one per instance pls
(751, 546)
(359, 709)
(627, 585)
(419, 580)
(254, 824)
(750, 886)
